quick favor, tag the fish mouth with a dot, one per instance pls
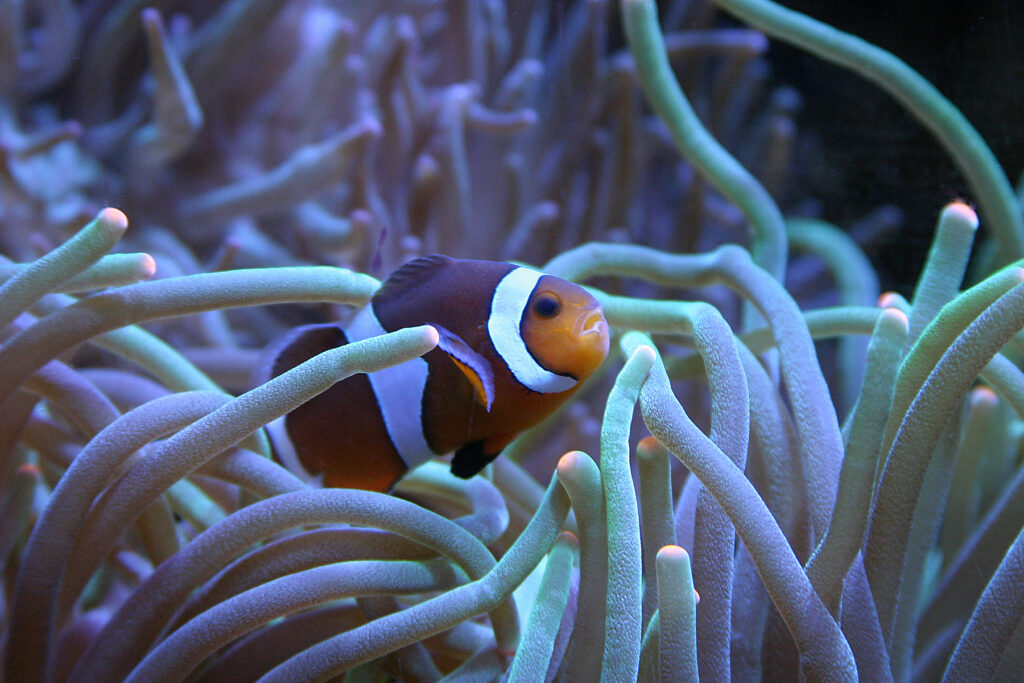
(593, 324)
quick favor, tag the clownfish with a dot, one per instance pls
(514, 345)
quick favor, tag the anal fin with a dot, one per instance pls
(476, 455)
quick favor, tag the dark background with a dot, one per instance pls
(973, 52)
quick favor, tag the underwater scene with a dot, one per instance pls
(479, 340)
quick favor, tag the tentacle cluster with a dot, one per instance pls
(785, 517)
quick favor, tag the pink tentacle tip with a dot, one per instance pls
(433, 336)
(963, 211)
(649, 446)
(114, 218)
(147, 266)
(570, 461)
(647, 352)
(569, 538)
(983, 395)
(889, 300)
(896, 316)
(674, 552)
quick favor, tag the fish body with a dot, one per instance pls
(515, 344)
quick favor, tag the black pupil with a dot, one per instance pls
(546, 307)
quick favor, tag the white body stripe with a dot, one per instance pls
(510, 299)
(399, 390)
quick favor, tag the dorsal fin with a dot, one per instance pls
(412, 274)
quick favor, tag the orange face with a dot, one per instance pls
(564, 328)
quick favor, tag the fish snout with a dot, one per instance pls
(592, 341)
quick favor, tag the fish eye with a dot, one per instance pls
(547, 306)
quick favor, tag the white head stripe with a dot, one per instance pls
(399, 390)
(510, 299)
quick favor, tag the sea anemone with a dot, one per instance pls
(793, 510)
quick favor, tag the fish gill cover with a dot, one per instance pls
(827, 483)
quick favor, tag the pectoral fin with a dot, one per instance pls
(475, 367)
